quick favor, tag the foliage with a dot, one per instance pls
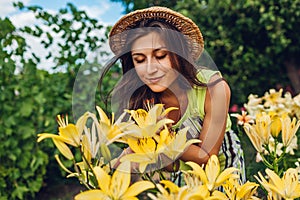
(30, 97)
(246, 39)
(22, 112)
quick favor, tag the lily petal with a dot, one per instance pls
(138, 187)
(104, 180)
(63, 148)
(92, 195)
(198, 171)
(120, 180)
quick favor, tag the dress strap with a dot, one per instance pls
(215, 82)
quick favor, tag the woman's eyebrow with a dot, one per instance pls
(136, 54)
(160, 48)
(133, 53)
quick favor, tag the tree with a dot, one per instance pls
(31, 98)
(254, 43)
(21, 116)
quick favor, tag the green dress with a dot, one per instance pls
(231, 153)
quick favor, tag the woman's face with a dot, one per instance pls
(152, 63)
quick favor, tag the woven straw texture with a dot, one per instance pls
(183, 24)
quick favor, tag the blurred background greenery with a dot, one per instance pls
(254, 43)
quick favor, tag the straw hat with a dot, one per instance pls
(183, 24)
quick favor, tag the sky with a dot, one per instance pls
(104, 10)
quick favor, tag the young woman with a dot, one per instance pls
(158, 49)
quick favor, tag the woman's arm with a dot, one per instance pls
(214, 124)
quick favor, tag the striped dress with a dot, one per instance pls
(230, 153)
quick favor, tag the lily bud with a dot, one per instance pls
(105, 152)
(275, 126)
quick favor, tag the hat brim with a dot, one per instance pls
(183, 24)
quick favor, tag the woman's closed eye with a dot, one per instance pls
(159, 57)
(139, 59)
(161, 54)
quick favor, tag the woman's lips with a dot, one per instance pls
(155, 79)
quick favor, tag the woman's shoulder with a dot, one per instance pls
(205, 74)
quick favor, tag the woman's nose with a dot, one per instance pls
(152, 66)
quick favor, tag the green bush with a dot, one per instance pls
(22, 162)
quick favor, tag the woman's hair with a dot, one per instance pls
(180, 58)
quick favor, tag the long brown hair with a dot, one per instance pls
(180, 58)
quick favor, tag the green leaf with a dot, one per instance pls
(19, 192)
(26, 108)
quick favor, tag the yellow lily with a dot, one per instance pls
(235, 191)
(263, 126)
(63, 148)
(275, 124)
(168, 192)
(149, 150)
(84, 174)
(145, 152)
(149, 123)
(86, 149)
(108, 130)
(68, 133)
(171, 191)
(115, 187)
(212, 177)
(289, 129)
(254, 137)
(177, 144)
(288, 187)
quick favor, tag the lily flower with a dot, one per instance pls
(235, 191)
(288, 187)
(254, 137)
(263, 126)
(212, 177)
(86, 149)
(108, 130)
(149, 123)
(116, 186)
(293, 145)
(149, 150)
(178, 144)
(253, 105)
(243, 118)
(68, 133)
(91, 143)
(168, 190)
(145, 152)
(289, 129)
(273, 97)
(296, 106)
(275, 124)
